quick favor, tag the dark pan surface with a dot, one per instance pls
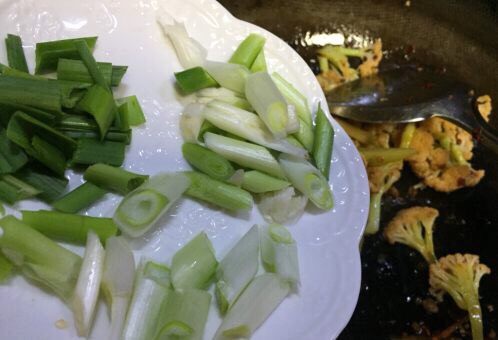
(462, 37)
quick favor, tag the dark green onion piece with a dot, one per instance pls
(75, 70)
(99, 103)
(71, 92)
(194, 79)
(117, 74)
(41, 94)
(114, 179)
(111, 136)
(15, 53)
(207, 161)
(9, 71)
(69, 227)
(8, 109)
(13, 189)
(324, 141)
(2, 67)
(90, 63)
(6, 268)
(50, 187)
(80, 198)
(48, 53)
(49, 155)
(218, 193)
(78, 126)
(12, 158)
(248, 50)
(122, 121)
(91, 151)
(130, 106)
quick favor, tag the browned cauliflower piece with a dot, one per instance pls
(413, 227)
(371, 60)
(329, 80)
(484, 106)
(381, 178)
(443, 152)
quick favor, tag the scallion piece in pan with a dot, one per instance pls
(79, 199)
(15, 53)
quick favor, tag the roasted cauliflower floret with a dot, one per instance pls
(413, 227)
(443, 152)
(459, 276)
(484, 106)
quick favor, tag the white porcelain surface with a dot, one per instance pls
(128, 35)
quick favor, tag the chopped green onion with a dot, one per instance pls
(99, 103)
(50, 187)
(323, 63)
(6, 268)
(91, 151)
(279, 253)
(258, 182)
(3, 67)
(194, 79)
(87, 287)
(12, 158)
(259, 64)
(15, 53)
(75, 70)
(248, 126)
(305, 135)
(218, 193)
(293, 97)
(13, 189)
(206, 127)
(194, 265)
(77, 126)
(117, 282)
(355, 132)
(224, 95)
(373, 222)
(268, 102)
(130, 107)
(40, 94)
(407, 135)
(151, 288)
(48, 155)
(69, 227)
(324, 141)
(39, 258)
(245, 154)
(253, 307)
(230, 76)
(48, 53)
(86, 56)
(80, 198)
(237, 269)
(111, 136)
(118, 73)
(207, 161)
(114, 179)
(381, 156)
(142, 208)
(308, 180)
(248, 50)
(184, 315)
(8, 109)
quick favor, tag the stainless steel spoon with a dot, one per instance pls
(409, 94)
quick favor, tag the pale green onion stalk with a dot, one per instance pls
(151, 288)
(191, 121)
(268, 102)
(282, 206)
(294, 124)
(194, 265)
(308, 180)
(245, 154)
(279, 253)
(248, 126)
(258, 182)
(237, 269)
(183, 315)
(253, 307)
(230, 76)
(293, 97)
(117, 282)
(142, 208)
(190, 52)
(237, 178)
(207, 95)
(87, 288)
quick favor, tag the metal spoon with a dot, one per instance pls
(408, 94)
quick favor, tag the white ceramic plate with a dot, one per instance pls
(128, 34)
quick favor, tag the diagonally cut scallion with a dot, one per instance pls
(118, 73)
(91, 151)
(144, 206)
(324, 142)
(258, 182)
(99, 103)
(248, 50)
(69, 227)
(224, 95)
(259, 64)
(305, 135)
(130, 106)
(117, 282)
(15, 53)
(245, 154)
(230, 76)
(237, 269)
(87, 287)
(194, 79)
(80, 198)
(207, 161)
(293, 97)
(308, 180)
(50, 187)
(191, 122)
(194, 265)
(113, 178)
(248, 126)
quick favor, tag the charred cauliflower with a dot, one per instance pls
(459, 276)
(413, 227)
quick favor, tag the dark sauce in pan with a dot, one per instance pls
(394, 300)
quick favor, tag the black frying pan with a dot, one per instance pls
(461, 36)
